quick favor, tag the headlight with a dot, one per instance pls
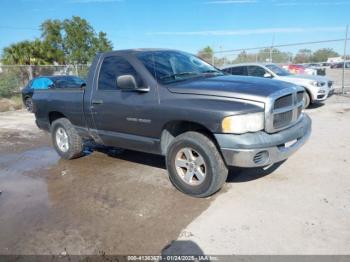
(317, 83)
(240, 124)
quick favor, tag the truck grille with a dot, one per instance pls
(284, 110)
(284, 101)
(282, 119)
(300, 96)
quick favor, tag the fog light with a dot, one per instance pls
(261, 158)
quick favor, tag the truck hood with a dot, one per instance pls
(240, 87)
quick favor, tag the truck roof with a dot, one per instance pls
(137, 50)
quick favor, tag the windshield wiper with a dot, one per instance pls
(212, 71)
(178, 75)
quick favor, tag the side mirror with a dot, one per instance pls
(126, 82)
(268, 75)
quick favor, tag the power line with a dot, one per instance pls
(281, 45)
(19, 28)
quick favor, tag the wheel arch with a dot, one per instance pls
(307, 90)
(54, 115)
(173, 129)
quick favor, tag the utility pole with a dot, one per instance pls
(271, 48)
(345, 47)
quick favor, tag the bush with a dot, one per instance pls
(8, 84)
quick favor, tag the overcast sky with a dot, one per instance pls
(186, 24)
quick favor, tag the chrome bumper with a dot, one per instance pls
(262, 149)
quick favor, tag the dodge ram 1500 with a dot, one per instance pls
(172, 103)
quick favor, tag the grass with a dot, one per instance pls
(11, 103)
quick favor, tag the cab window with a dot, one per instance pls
(112, 67)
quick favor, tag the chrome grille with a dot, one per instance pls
(284, 101)
(282, 119)
(283, 109)
(300, 96)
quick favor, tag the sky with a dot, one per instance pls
(187, 25)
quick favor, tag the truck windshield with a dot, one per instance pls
(173, 66)
(278, 70)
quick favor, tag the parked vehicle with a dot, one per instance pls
(341, 65)
(320, 69)
(318, 88)
(301, 70)
(174, 104)
(46, 82)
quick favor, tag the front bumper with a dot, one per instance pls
(263, 149)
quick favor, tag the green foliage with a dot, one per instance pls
(303, 56)
(206, 54)
(275, 54)
(53, 40)
(244, 57)
(69, 41)
(323, 54)
(8, 83)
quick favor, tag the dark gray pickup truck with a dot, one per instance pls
(172, 103)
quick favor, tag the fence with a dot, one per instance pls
(14, 77)
(286, 54)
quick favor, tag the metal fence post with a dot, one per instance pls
(344, 58)
(30, 72)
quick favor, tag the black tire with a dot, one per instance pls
(28, 103)
(306, 99)
(215, 168)
(75, 143)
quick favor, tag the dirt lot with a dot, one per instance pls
(121, 202)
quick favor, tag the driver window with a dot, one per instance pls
(111, 68)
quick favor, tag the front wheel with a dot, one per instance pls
(65, 139)
(195, 165)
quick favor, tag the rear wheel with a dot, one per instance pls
(29, 104)
(195, 165)
(65, 139)
(306, 100)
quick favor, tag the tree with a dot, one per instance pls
(244, 57)
(80, 41)
(101, 43)
(53, 40)
(323, 54)
(69, 41)
(25, 53)
(303, 56)
(276, 55)
(206, 54)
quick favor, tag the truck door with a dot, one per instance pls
(117, 114)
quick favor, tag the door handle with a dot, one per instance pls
(97, 102)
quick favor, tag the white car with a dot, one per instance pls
(318, 88)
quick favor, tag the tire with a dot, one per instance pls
(28, 103)
(306, 99)
(206, 167)
(66, 140)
